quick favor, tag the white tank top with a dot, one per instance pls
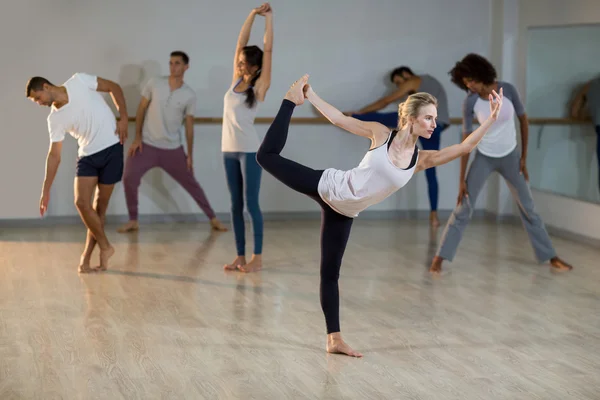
(238, 132)
(375, 178)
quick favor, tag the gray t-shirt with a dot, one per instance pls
(593, 100)
(432, 86)
(166, 113)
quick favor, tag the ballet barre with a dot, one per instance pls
(323, 120)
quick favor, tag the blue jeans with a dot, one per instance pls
(390, 119)
(242, 168)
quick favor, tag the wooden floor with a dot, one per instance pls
(166, 322)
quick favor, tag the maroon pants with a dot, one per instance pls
(174, 163)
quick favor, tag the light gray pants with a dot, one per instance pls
(509, 167)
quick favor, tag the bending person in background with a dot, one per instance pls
(78, 108)
(239, 143)
(167, 102)
(497, 151)
(406, 83)
(390, 163)
(587, 100)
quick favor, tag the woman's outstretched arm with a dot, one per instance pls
(264, 81)
(430, 159)
(244, 36)
(371, 130)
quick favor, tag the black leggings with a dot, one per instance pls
(335, 228)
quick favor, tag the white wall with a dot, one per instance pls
(558, 211)
(348, 50)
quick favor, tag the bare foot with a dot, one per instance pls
(129, 227)
(104, 256)
(254, 265)
(335, 345)
(434, 222)
(239, 260)
(436, 265)
(84, 266)
(560, 265)
(84, 262)
(216, 225)
(296, 93)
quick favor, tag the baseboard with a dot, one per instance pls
(552, 230)
(294, 216)
(226, 217)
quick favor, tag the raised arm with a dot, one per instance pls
(264, 81)
(405, 88)
(244, 36)
(371, 130)
(429, 159)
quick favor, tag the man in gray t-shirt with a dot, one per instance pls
(167, 103)
(587, 100)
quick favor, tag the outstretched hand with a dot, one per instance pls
(44, 200)
(297, 92)
(307, 90)
(495, 104)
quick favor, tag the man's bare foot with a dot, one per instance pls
(254, 265)
(296, 93)
(434, 222)
(239, 260)
(560, 264)
(216, 225)
(84, 263)
(84, 266)
(104, 256)
(129, 227)
(335, 345)
(436, 265)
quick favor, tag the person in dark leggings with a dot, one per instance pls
(389, 164)
(407, 82)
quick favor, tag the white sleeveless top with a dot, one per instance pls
(238, 132)
(375, 178)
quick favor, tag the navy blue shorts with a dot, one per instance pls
(106, 164)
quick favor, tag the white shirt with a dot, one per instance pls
(375, 179)
(86, 117)
(501, 138)
(238, 133)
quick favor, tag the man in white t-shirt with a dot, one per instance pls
(497, 151)
(79, 109)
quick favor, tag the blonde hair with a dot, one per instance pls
(412, 105)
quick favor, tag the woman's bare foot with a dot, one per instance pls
(104, 256)
(434, 222)
(335, 345)
(436, 265)
(239, 260)
(254, 265)
(560, 264)
(296, 93)
(216, 225)
(129, 227)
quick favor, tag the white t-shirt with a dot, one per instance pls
(166, 112)
(86, 117)
(501, 138)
